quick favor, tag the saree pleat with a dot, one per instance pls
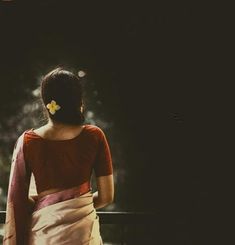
(73, 221)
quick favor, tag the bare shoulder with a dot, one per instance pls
(58, 133)
(44, 132)
(40, 130)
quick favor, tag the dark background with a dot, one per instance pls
(158, 69)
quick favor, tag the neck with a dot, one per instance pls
(57, 125)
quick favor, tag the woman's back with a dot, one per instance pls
(61, 160)
(60, 157)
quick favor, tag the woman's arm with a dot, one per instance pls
(105, 191)
(32, 200)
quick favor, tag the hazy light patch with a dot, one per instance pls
(36, 92)
(27, 108)
(2, 230)
(95, 92)
(91, 118)
(81, 74)
(90, 114)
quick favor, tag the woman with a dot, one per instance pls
(57, 161)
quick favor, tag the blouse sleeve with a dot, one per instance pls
(103, 161)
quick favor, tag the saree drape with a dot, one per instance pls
(64, 217)
(71, 221)
(18, 207)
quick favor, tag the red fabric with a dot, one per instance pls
(67, 163)
(61, 196)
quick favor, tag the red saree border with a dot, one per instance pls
(62, 195)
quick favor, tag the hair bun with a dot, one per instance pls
(64, 87)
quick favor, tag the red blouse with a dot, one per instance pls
(67, 163)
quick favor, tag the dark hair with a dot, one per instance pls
(65, 88)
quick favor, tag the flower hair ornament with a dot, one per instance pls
(53, 107)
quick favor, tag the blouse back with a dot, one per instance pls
(67, 163)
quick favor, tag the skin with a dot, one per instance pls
(105, 184)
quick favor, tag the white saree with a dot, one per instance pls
(73, 221)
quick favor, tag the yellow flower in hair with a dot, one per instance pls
(53, 107)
